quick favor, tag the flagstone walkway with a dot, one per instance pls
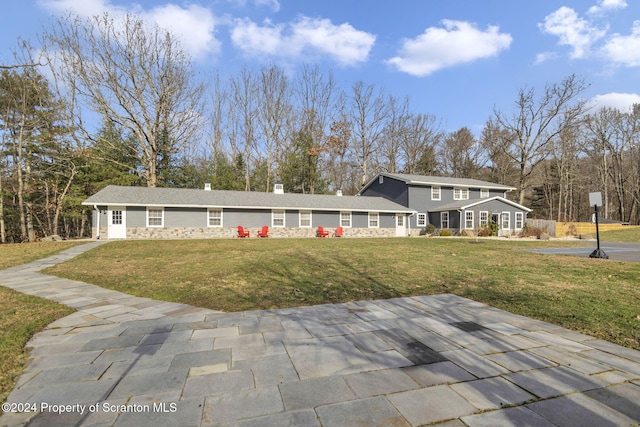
(122, 360)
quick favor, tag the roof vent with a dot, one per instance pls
(339, 193)
(278, 188)
(207, 187)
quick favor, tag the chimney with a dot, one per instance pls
(339, 193)
(278, 188)
(207, 187)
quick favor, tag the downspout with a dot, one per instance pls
(97, 222)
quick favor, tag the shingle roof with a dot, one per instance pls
(443, 180)
(182, 197)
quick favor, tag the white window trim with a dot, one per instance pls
(421, 220)
(463, 193)
(486, 220)
(161, 217)
(466, 219)
(484, 193)
(439, 193)
(209, 217)
(521, 220)
(300, 219)
(508, 215)
(377, 216)
(347, 213)
(273, 218)
(442, 219)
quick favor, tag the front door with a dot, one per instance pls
(117, 225)
(401, 225)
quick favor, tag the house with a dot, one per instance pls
(450, 203)
(148, 213)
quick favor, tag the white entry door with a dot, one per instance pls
(117, 225)
(401, 225)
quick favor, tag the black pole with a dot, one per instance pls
(598, 253)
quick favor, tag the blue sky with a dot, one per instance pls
(455, 59)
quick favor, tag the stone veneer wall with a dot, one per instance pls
(228, 233)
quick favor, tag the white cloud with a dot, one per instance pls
(624, 50)
(572, 30)
(193, 25)
(457, 43)
(620, 101)
(606, 5)
(306, 37)
(545, 56)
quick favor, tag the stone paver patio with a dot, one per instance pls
(122, 360)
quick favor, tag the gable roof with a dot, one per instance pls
(466, 204)
(440, 181)
(115, 195)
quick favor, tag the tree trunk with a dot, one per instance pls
(3, 232)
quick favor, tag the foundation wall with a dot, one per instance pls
(143, 233)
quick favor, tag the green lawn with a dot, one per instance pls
(631, 234)
(22, 253)
(598, 297)
(21, 316)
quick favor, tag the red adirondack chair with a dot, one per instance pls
(321, 232)
(242, 232)
(264, 232)
(339, 232)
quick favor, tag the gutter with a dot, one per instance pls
(97, 222)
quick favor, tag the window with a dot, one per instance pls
(116, 217)
(484, 193)
(215, 217)
(519, 220)
(345, 219)
(374, 219)
(305, 219)
(468, 219)
(422, 220)
(484, 218)
(277, 218)
(505, 220)
(435, 193)
(460, 194)
(444, 219)
(155, 217)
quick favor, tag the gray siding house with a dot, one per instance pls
(147, 213)
(450, 203)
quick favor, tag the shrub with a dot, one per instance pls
(531, 231)
(485, 232)
(430, 229)
(446, 233)
(494, 227)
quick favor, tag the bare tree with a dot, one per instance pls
(419, 144)
(243, 116)
(496, 141)
(369, 112)
(461, 154)
(394, 133)
(536, 122)
(132, 74)
(274, 115)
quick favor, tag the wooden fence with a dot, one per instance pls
(561, 229)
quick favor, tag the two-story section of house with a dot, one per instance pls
(450, 203)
